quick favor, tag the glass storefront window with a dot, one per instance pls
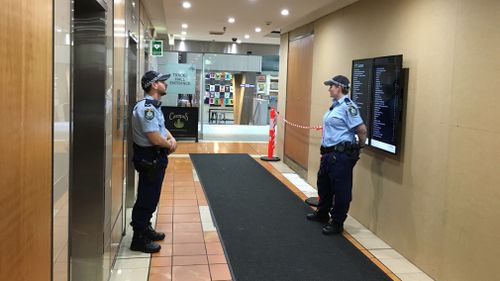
(231, 105)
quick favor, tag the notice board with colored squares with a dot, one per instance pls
(219, 89)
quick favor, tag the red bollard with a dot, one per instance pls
(272, 130)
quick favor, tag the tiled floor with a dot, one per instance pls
(193, 251)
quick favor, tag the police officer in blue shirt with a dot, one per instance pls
(152, 144)
(339, 154)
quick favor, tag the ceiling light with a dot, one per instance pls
(231, 20)
(247, 36)
(133, 4)
(238, 41)
(285, 12)
(184, 25)
(186, 5)
(183, 38)
(257, 29)
(184, 33)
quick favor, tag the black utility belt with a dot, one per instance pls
(155, 149)
(341, 147)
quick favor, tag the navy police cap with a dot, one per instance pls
(339, 80)
(152, 76)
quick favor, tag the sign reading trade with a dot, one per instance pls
(157, 48)
(182, 79)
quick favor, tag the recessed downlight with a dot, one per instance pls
(183, 32)
(186, 5)
(231, 20)
(247, 36)
(184, 25)
(258, 29)
(285, 12)
(238, 41)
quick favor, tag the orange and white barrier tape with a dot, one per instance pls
(317, 128)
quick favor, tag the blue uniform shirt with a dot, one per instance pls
(340, 121)
(147, 117)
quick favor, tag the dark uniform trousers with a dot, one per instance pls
(150, 163)
(335, 183)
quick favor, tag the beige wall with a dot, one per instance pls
(439, 203)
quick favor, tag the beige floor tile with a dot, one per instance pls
(189, 249)
(160, 274)
(168, 239)
(188, 237)
(212, 259)
(214, 249)
(126, 263)
(135, 274)
(187, 218)
(190, 260)
(166, 210)
(191, 273)
(415, 276)
(185, 196)
(166, 251)
(211, 237)
(220, 272)
(400, 266)
(164, 227)
(184, 203)
(186, 210)
(164, 219)
(187, 227)
(161, 261)
(386, 254)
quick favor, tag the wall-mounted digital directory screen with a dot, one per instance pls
(387, 103)
(361, 89)
(377, 90)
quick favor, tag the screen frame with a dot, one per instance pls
(399, 114)
(366, 121)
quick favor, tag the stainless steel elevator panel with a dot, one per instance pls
(90, 148)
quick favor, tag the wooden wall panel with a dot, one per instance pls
(26, 140)
(298, 99)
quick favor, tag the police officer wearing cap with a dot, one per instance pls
(152, 144)
(339, 154)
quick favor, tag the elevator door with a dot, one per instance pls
(90, 154)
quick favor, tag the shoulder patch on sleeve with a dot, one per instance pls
(149, 114)
(353, 110)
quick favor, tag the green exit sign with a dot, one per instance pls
(157, 48)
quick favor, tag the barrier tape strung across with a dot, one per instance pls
(317, 128)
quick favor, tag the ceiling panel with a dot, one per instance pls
(211, 15)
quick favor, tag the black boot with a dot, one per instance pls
(318, 216)
(333, 228)
(153, 234)
(142, 243)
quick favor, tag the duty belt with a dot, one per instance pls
(156, 149)
(341, 147)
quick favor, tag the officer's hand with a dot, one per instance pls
(173, 146)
